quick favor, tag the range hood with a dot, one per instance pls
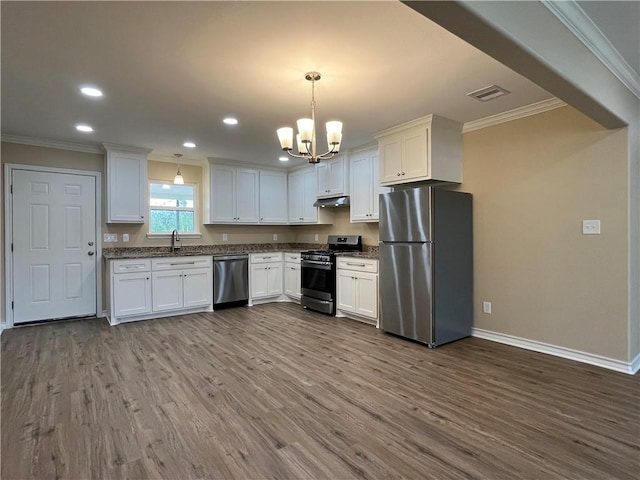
(332, 202)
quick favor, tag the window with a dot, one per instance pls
(172, 207)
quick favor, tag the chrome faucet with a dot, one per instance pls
(175, 241)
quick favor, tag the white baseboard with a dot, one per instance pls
(584, 357)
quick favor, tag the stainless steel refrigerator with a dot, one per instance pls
(426, 264)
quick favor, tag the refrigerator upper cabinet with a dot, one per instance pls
(406, 215)
(406, 303)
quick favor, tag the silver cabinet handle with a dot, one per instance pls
(398, 174)
(356, 264)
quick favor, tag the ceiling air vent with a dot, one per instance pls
(488, 93)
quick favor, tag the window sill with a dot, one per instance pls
(168, 235)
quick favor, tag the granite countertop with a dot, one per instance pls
(119, 253)
(369, 253)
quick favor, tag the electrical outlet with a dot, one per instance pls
(110, 237)
(486, 307)
(591, 227)
(125, 237)
(275, 236)
(225, 237)
(315, 237)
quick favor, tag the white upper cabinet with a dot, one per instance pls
(302, 195)
(333, 177)
(273, 197)
(429, 148)
(365, 186)
(126, 184)
(234, 194)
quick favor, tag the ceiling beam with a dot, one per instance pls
(529, 39)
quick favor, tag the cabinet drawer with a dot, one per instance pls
(131, 265)
(266, 257)
(180, 263)
(358, 264)
(292, 257)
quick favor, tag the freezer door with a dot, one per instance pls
(406, 302)
(405, 215)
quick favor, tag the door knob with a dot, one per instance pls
(91, 254)
(90, 244)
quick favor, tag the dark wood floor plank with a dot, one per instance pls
(274, 391)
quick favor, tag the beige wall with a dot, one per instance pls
(534, 180)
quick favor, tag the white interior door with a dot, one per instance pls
(54, 238)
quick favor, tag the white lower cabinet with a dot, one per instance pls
(265, 275)
(357, 288)
(181, 289)
(131, 294)
(292, 279)
(143, 288)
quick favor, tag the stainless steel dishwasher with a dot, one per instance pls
(230, 280)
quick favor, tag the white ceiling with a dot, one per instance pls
(172, 70)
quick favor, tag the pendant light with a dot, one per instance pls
(178, 180)
(306, 138)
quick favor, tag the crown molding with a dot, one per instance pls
(581, 25)
(158, 157)
(42, 142)
(515, 114)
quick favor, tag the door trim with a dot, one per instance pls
(8, 232)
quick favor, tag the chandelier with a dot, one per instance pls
(306, 137)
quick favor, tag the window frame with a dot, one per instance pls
(196, 231)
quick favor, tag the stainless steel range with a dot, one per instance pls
(318, 270)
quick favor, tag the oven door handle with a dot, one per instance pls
(316, 264)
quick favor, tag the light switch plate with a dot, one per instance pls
(591, 227)
(275, 236)
(225, 237)
(486, 307)
(316, 237)
(110, 237)
(125, 237)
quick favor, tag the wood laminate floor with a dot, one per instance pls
(275, 392)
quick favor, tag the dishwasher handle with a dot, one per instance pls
(223, 258)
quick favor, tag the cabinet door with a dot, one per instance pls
(377, 189)
(337, 180)
(259, 281)
(323, 175)
(197, 287)
(414, 154)
(131, 294)
(309, 212)
(273, 197)
(361, 186)
(291, 279)
(167, 290)
(296, 195)
(367, 295)
(274, 279)
(126, 187)
(346, 290)
(223, 196)
(246, 192)
(390, 159)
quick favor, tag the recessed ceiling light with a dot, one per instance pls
(230, 121)
(91, 91)
(84, 128)
(284, 159)
(189, 145)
